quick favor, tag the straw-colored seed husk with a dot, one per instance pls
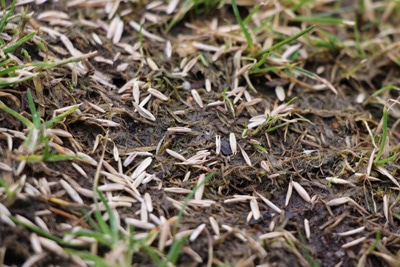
(245, 156)
(139, 224)
(214, 226)
(51, 245)
(217, 144)
(175, 155)
(198, 195)
(165, 232)
(307, 228)
(197, 232)
(288, 194)
(197, 98)
(255, 209)
(301, 191)
(269, 203)
(71, 192)
(142, 167)
(271, 235)
(386, 207)
(232, 143)
(144, 112)
(157, 94)
(354, 242)
(35, 243)
(179, 130)
(352, 232)
(148, 201)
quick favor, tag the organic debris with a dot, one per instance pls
(204, 132)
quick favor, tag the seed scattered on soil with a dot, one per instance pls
(233, 143)
(269, 203)
(197, 98)
(354, 242)
(147, 102)
(139, 224)
(197, 232)
(301, 191)
(255, 209)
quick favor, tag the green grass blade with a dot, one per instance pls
(305, 72)
(152, 254)
(111, 217)
(291, 101)
(5, 186)
(183, 9)
(4, 20)
(56, 157)
(5, 82)
(86, 255)
(273, 68)
(384, 89)
(256, 66)
(228, 101)
(174, 252)
(261, 148)
(387, 160)
(60, 117)
(18, 43)
(377, 241)
(251, 14)
(46, 64)
(44, 233)
(242, 25)
(35, 115)
(5, 63)
(190, 196)
(384, 136)
(277, 126)
(105, 229)
(313, 19)
(300, 4)
(327, 40)
(9, 69)
(90, 220)
(283, 42)
(16, 115)
(357, 38)
(100, 237)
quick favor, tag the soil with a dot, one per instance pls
(327, 137)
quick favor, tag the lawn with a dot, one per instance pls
(199, 133)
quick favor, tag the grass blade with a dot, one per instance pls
(384, 136)
(98, 261)
(174, 252)
(111, 217)
(242, 24)
(16, 115)
(100, 237)
(283, 42)
(4, 20)
(44, 233)
(35, 115)
(329, 20)
(60, 117)
(190, 196)
(18, 43)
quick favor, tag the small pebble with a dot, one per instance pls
(225, 148)
(186, 85)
